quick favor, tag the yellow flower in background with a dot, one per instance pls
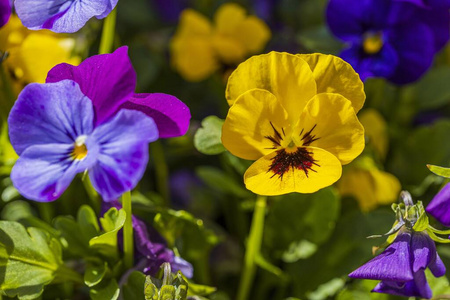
(376, 131)
(370, 186)
(33, 53)
(296, 116)
(199, 48)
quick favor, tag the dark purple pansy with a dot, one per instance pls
(61, 15)
(401, 266)
(439, 207)
(393, 39)
(5, 11)
(430, 3)
(109, 80)
(75, 123)
(151, 251)
(170, 10)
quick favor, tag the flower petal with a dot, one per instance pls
(414, 288)
(228, 17)
(286, 76)
(5, 11)
(43, 172)
(392, 264)
(375, 130)
(170, 114)
(260, 180)
(123, 153)
(334, 75)
(108, 80)
(424, 250)
(59, 15)
(334, 124)
(249, 122)
(437, 267)
(439, 207)
(49, 113)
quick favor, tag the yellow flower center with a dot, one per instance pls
(79, 151)
(292, 156)
(373, 43)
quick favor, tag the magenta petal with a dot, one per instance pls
(439, 207)
(108, 80)
(169, 113)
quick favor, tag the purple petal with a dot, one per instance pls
(424, 250)
(438, 21)
(49, 113)
(109, 8)
(185, 267)
(108, 80)
(5, 11)
(414, 288)
(414, 44)
(60, 15)
(123, 153)
(439, 207)
(393, 264)
(437, 267)
(170, 114)
(43, 172)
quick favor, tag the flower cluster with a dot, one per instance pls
(87, 118)
(295, 115)
(198, 48)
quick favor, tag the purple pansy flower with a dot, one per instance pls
(79, 121)
(61, 15)
(5, 11)
(439, 207)
(430, 3)
(401, 266)
(387, 38)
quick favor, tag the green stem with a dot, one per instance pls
(46, 212)
(8, 92)
(253, 248)
(64, 274)
(128, 243)
(92, 194)
(161, 170)
(109, 28)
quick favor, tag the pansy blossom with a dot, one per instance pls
(5, 11)
(296, 116)
(61, 15)
(87, 118)
(396, 40)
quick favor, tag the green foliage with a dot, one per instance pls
(107, 290)
(440, 171)
(221, 181)
(207, 139)
(134, 287)
(29, 260)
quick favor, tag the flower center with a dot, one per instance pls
(79, 151)
(373, 43)
(293, 156)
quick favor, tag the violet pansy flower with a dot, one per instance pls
(439, 207)
(430, 3)
(401, 266)
(61, 15)
(5, 11)
(396, 40)
(87, 118)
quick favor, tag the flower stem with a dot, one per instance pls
(92, 194)
(161, 169)
(128, 243)
(253, 248)
(64, 274)
(109, 28)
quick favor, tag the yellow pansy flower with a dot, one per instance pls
(199, 48)
(33, 53)
(376, 131)
(296, 116)
(370, 186)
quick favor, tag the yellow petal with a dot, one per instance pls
(260, 180)
(193, 58)
(253, 33)
(336, 127)
(387, 187)
(228, 49)
(228, 17)
(193, 23)
(286, 76)
(249, 124)
(41, 52)
(334, 75)
(375, 130)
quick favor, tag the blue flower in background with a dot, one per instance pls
(401, 267)
(61, 15)
(393, 39)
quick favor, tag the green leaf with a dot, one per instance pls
(108, 290)
(299, 250)
(87, 221)
(200, 290)
(134, 287)
(29, 259)
(439, 286)
(219, 180)
(207, 139)
(440, 171)
(94, 274)
(327, 289)
(106, 243)
(72, 237)
(436, 238)
(422, 223)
